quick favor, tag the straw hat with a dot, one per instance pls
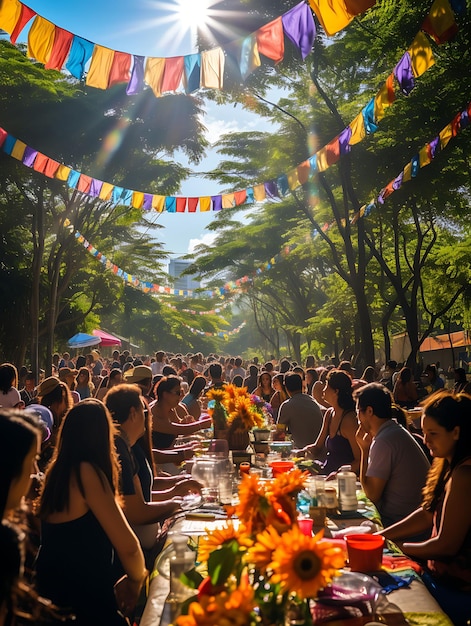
(48, 385)
(138, 373)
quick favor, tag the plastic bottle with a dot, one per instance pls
(181, 562)
(347, 491)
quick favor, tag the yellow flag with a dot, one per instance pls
(41, 39)
(10, 11)
(421, 54)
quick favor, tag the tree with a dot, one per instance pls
(152, 129)
(393, 247)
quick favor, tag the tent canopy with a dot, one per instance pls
(82, 340)
(106, 339)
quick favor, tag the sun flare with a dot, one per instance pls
(193, 13)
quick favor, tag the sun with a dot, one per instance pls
(193, 14)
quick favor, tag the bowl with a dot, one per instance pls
(281, 467)
(283, 447)
(261, 434)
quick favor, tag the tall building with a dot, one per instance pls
(175, 268)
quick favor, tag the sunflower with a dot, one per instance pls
(260, 554)
(215, 394)
(288, 483)
(218, 537)
(234, 608)
(303, 565)
(253, 504)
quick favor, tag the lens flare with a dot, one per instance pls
(112, 142)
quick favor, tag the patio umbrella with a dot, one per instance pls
(106, 339)
(82, 340)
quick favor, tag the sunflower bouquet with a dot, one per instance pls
(236, 411)
(260, 570)
(216, 409)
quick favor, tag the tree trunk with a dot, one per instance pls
(37, 232)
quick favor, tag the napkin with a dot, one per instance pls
(390, 582)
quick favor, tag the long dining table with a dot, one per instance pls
(410, 605)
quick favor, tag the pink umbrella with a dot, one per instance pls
(106, 338)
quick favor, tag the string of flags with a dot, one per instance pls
(214, 311)
(422, 159)
(149, 287)
(222, 333)
(440, 24)
(104, 67)
(130, 279)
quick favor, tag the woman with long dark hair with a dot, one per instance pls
(82, 523)
(265, 388)
(166, 424)
(9, 394)
(405, 392)
(446, 507)
(19, 446)
(191, 399)
(280, 394)
(337, 437)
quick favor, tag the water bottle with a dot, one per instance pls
(182, 561)
(347, 489)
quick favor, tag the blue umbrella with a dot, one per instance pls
(82, 340)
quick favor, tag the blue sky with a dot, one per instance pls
(154, 28)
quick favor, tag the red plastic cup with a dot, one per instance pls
(365, 552)
(280, 467)
(244, 468)
(305, 526)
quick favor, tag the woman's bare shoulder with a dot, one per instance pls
(461, 475)
(90, 474)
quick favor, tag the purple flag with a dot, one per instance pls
(147, 204)
(404, 75)
(217, 202)
(299, 27)
(29, 156)
(344, 139)
(397, 182)
(95, 187)
(271, 189)
(434, 147)
(136, 82)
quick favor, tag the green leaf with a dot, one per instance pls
(221, 563)
(192, 578)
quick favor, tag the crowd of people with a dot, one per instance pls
(90, 452)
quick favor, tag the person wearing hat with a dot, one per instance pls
(55, 394)
(347, 367)
(140, 375)
(67, 376)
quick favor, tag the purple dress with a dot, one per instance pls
(339, 450)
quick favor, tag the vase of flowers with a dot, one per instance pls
(218, 413)
(264, 570)
(235, 410)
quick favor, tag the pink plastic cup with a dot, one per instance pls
(365, 552)
(305, 526)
